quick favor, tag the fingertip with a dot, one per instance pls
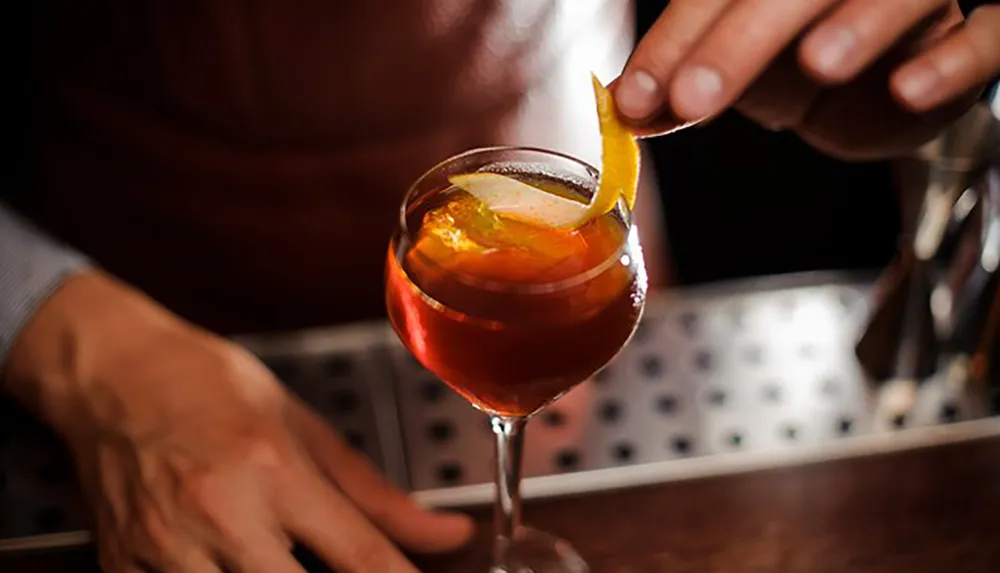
(660, 122)
(916, 86)
(637, 94)
(444, 531)
(826, 54)
(697, 93)
(462, 527)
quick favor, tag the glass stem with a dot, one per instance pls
(509, 434)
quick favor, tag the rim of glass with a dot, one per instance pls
(537, 288)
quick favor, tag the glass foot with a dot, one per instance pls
(533, 551)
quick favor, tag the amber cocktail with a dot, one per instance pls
(509, 313)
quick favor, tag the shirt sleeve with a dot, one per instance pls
(32, 266)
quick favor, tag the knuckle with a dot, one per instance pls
(208, 500)
(201, 489)
(254, 456)
(263, 452)
(224, 361)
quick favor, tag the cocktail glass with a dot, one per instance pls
(513, 315)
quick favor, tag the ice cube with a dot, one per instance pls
(461, 223)
(454, 228)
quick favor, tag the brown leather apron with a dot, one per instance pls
(243, 161)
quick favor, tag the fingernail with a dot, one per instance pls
(834, 46)
(697, 92)
(917, 84)
(636, 96)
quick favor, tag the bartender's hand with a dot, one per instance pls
(855, 78)
(194, 457)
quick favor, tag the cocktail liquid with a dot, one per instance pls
(511, 314)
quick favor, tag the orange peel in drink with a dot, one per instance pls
(619, 179)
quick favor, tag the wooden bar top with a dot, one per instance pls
(933, 510)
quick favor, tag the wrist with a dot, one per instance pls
(59, 354)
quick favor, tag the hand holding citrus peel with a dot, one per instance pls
(619, 179)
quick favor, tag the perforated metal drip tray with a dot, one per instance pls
(717, 379)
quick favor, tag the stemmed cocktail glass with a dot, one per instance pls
(513, 314)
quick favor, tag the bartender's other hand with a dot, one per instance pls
(857, 79)
(196, 460)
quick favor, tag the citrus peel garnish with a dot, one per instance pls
(516, 199)
(618, 180)
(619, 156)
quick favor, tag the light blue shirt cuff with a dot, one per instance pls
(32, 267)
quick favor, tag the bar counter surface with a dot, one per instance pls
(927, 510)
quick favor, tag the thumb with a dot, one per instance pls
(414, 527)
